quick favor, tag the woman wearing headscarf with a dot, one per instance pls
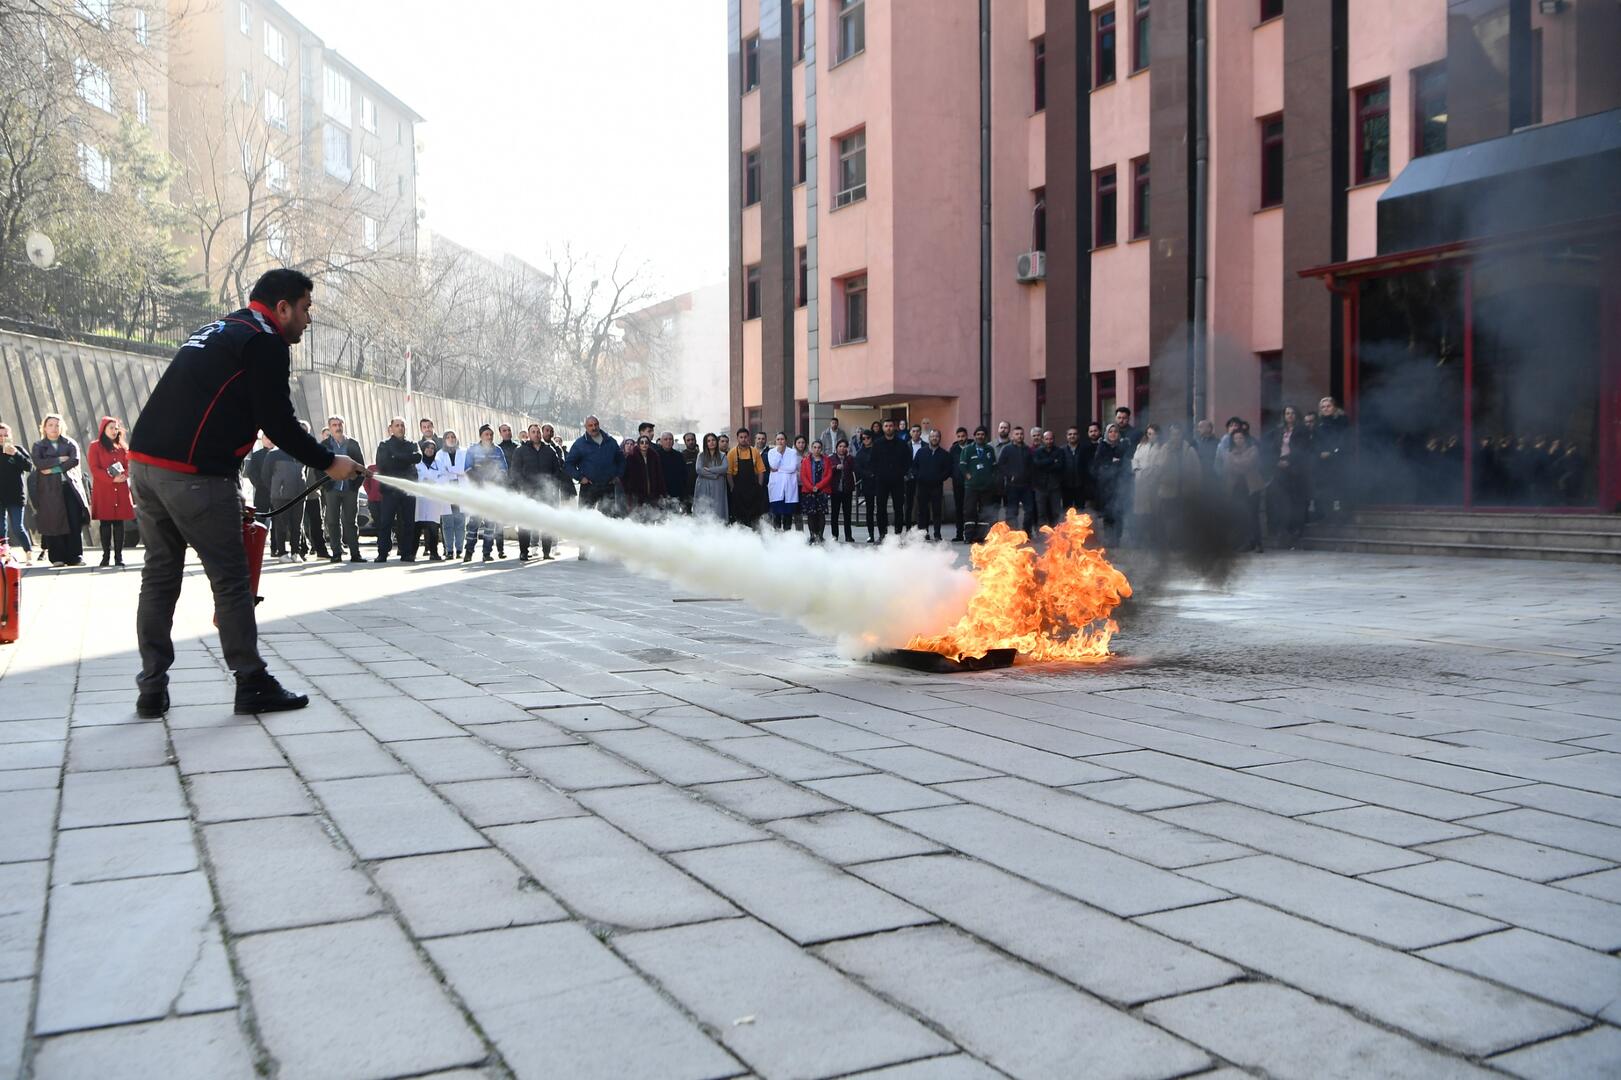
(453, 522)
(709, 491)
(432, 469)
(58, 490)
(644, 476)
(1238, 469)
(842, 494)
(782, 461)
(110, 502)
(815, 489)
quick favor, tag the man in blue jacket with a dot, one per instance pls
(595, 461)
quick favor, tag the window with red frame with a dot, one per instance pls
(802, 284)
(751, 291)
(751, 177)
(1103, 41)
(1103, 397)
(751, 63)
(1373, 132)
(799, 156)
(1038, 53)
(1105, 207)
(1139, 36)
(1271, 9)
(1272, 160)
(1038, 221)
(1139, 199)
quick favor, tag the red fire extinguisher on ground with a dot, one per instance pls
(255, 533)
(11, 577)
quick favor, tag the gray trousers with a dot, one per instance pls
(205, 513)
(341, 507)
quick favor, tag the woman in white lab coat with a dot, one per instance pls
(431, 470)
(783, 485)
(453, 523)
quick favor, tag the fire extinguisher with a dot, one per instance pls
(255, 533)
(11, 576)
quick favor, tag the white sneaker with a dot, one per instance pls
(289, 557)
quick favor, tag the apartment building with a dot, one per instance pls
(130, 84)
(947, 219)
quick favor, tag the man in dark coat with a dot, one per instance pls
(537, 471)
(1014, 469)
(956, 480)
(1047, 477)
(932, 466)
(253, 467)
(891, 461)
(674, 465)
(397, 456)
(341, 498)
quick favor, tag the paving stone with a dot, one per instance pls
(432, 687)
(589, 717)
(1344, 903)
(799, 894)
(256, 793)
(22, 914)
(692, 722)
(28, 779)
(1313, 844)
(211, 1045)
(1010, 758)
(1555, 830)
(276, 873)
(1561, 914)
(1108, 956)
(880, 793)
(1244, 788)
(848, 837)
(1110, 881)
(1134, 793)
(577, 768)
(604, 875)
(1584, 805)
(522, 734)
(1585, 980)
(338, 755)
(15, 731)
(556, 1002)
(395, 718)
(29, 816)
(1155, 842)
(1435, 1004)
(353, 1000)
(919, 765)
(1605, 885)
(766, 799)
(441, 761)
(319, 715)
(806, 1019)
(462, 891)
(121, 851)
(225, 749)
(1283, 1032)
(1380, 790)
(14, 999)
(117, 952)
(1387, 826)
(825, 734)
(1515, 857)
(1041, 736)
(387, 816)
(677, 760)
(507, 802)
(787, 759)
(33, 755)
(1021, 1021)
(666, 818)
(1591, 1053)
(952, 1067)
(121, 797)
(125, 746)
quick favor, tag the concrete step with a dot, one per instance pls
(1477, 534)
(1525, 521)
(1369, 544)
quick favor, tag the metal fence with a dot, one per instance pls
(60, 304)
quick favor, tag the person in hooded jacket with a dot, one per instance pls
(430, 470)
(1110, 470)
(110, 501)
(58, 490)
(453, 522)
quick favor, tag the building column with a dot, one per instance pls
(1069, 214)
(734, 216)
(1170, 270)
(778, 259)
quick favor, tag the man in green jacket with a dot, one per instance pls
(976, 464)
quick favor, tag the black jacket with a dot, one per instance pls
(675, 473)
(536, 468)
(254, 469)
(397, 458)
(12, 469)
(891, 459)
(225, 384)
(1109, 469)
(1013, 464)
(932, 467)
(1047, 468)
(348, 448)
(508, 447)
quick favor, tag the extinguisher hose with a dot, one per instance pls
(296, 500)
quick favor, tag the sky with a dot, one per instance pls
(599, 123)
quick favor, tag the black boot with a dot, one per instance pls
(152, 704)
(262, 693)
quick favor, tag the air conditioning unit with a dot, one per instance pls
(1031, 266)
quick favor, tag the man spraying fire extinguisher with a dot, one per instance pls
(225, 384)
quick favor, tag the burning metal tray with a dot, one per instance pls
(921, 660)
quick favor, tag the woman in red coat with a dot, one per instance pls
(110, 501)
(815, 487)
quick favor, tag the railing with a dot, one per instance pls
(60, 304)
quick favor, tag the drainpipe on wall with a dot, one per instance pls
(1198, 339)
(985, 212)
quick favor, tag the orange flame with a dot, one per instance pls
(1051, 606)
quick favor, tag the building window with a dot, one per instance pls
(1139, 36)
(1430, 109)
(275, 109)
(368, 171)
(368, 232)
(336, 102)
(1038, 221)
(276, 239)
(1271, 9)
(852, 184)
(798, 17)
(751, 63)
(94, 85)
(143, 107)
(1103, 47)
(1272, 160)
(1038, 56)
(368, 114)
(1104, 396)
(751, 177)
(96, 168)
(1105, 207)
(275, 173)
(802, 281)
(275, 46)
(1140, 221)
(140, 26)
(1373, 132)
(852, 27)
(852, 310)
(335, 152)
(751, 292)
(244, 18)
(800, 152)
